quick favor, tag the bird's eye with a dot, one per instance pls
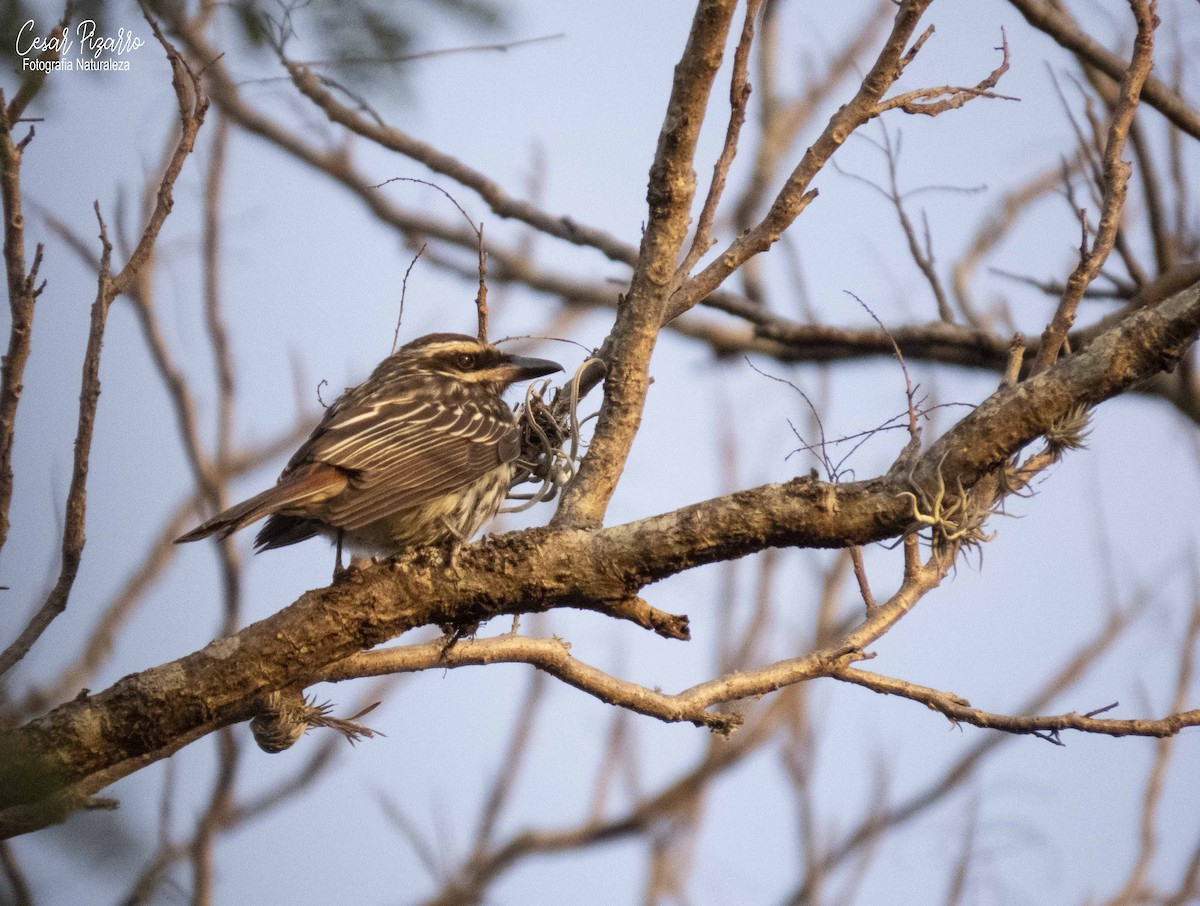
(465, 360)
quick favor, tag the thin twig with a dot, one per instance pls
(796, 195)
(76, 509)
(192, 106)
(1116, 178)
(501, 203)
(739, 94)
(1056, 21)
(500, 47)
(403, 294)
(23, 291)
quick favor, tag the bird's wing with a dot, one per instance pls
(405, 450)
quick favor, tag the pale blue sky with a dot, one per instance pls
(310, 278)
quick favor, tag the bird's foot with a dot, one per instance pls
(456, 632)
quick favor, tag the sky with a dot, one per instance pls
(312, 286)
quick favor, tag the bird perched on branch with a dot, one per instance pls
(420, 453)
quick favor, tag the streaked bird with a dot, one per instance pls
(420, 453)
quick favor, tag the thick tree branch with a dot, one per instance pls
(146, 716)
(160, 553)
(629, 346)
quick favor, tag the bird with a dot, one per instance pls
(420, 453)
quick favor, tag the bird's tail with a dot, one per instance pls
(229, 521)
(310, 486)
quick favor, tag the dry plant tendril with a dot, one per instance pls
(545, 428)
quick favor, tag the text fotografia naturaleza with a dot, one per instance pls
(91, 48)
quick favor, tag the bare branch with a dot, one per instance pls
(1116, 178)
(739, 94)
(932, 101)
(795, 195)
(22, 294)
(501, 203)
(873, 826)
(152, 566)
(511, 760)
(193, 104)
(470, 882)
(551, 656)
(629, 346)
(191, 112)
(959, 710)
(782, 120)
(23, 288)
(1057, 22)
(995, 227)
(540, 568)
(33, 81)
(73, 531)
(1134, 889)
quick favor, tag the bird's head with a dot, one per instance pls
(470, 361)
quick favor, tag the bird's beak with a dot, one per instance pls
(525, 368)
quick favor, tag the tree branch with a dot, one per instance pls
(628, 348)
(192, 106)
(148, 715)
(959, 710)
(795, 196)
(1115, 181)
(501, 203)
(1055, 21)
